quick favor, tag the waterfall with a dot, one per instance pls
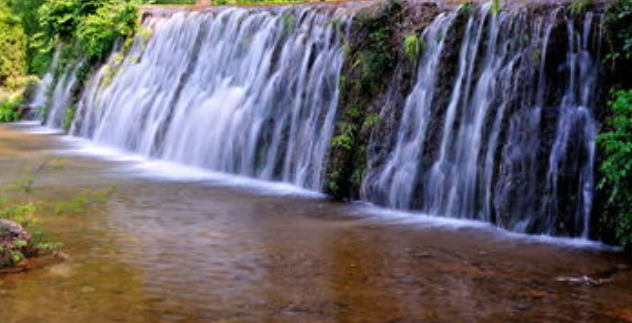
(395, 179)
(249, 92)
(39, 97)
(576, 127)
(498, 126)
(488, 164)
(60, 96)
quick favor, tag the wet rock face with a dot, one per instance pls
(10, 233)
(368, 69)
(500, 128)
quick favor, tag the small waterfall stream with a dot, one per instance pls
(396, 178)
(60, 96)
(507, 137)
(40, 95)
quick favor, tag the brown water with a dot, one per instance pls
(169, 251)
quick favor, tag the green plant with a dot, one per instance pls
(372, 52)
(371, 120)
(337, 25)
(98, 32)
(412, 46)
(13, 48)
(618, 22)
(27, 12)
(9, 109)
(495, 8)
(468, 8)
(16, 205)
(616, 168)
(145, 35)
(69, 116)
(578, 6)
(84, 201)
(94, 24)
(21, 212)
(344, 140)
(288, 21)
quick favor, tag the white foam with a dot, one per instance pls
(176, 172)
(36, 128)
(168, 171)
(426, 221)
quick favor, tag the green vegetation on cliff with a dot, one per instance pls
(372, 55)
(94, 25)
(30, 31)
(614, 207)
(616, 168)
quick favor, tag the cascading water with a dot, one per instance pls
(239, 91)
(60, 97)
(498, 126)
(39, 97)
(487, 164)
(576, 127)
(396, 179)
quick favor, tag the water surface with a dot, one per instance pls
(196, 250)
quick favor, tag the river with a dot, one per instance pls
(174, 245)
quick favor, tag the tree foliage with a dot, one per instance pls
(616, 168)
(94, 24)
(13, 48)
(619, 26)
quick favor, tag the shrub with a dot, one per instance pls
(618, 21)
(9, 109)
(616, 168)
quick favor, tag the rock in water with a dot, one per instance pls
(10, 233)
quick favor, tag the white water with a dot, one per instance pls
(255, 92)
(464, 180)
(39, 98)
(237, 91)
(397, 176)
(60, 98)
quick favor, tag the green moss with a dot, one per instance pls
(145, 34)
(288, 21)
(371, 120)
(579, 6)
(495, 8)
(468, 8)
(69, 116)
(371, 55)
(412, 47)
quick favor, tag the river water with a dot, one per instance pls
(172, 245)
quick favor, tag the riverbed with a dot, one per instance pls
(173, 245)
